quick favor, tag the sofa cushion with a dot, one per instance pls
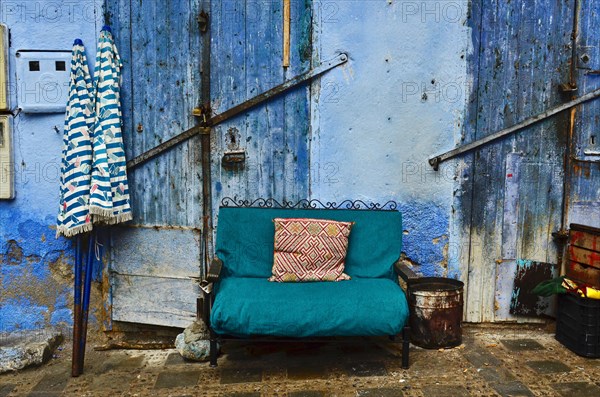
(357, 307)
(245, 239)
(310, 250)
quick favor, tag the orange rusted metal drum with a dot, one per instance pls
(436, 312)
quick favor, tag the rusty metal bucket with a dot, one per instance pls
(436, 311)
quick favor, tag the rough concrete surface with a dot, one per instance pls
(20, 350)
(493, 361)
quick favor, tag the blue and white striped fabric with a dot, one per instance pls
(73, 216)
(109, 200)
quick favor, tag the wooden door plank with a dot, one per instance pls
(150, 275)
(229, 88)
(296, 159)
(544, 144)
(166, 70)
(286, 33)
(265, 124)
(154, 300)
(510, 221)
(496, 50)
(515, 47)
(587, 122)
(156, 252)
(161, 78)
(461, 222)
(506, 271)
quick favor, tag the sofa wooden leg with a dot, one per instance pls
(214, 351)
(405, 346)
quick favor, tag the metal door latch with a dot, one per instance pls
(234, 160)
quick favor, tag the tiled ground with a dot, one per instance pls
(493, 361)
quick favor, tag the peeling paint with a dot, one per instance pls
(36, 269)
(41, 286)
(13, 255)
(501, 218)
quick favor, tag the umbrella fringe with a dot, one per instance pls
(114, 219)
(102, 212)
(70, 232)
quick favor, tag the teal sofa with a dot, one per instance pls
(244, 304)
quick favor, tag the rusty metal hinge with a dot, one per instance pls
(437, 160)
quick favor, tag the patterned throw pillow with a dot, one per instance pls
(310, 250)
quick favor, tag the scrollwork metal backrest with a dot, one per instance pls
(308, 204)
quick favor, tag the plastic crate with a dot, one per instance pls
(578, 324)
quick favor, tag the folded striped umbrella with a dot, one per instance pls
(73, 216)
(109, 193)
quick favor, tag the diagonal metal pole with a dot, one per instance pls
(234, 111)
(277, 90)
(436, 160)
(205, 142)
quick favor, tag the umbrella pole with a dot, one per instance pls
(87, 286)
(75, 366)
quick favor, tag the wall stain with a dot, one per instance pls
(26, 285)
(13, 255)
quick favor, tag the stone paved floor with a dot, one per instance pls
(493, 361)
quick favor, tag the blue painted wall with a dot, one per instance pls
(398, 101)
(36, 268)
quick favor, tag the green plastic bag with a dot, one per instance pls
(550, 287)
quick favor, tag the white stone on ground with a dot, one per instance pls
(23, 349)
(193, 343)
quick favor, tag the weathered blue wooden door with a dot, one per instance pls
(513, 189)
(516, 192)
(151, 261)
(247, 59)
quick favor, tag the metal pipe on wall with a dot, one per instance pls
(205, 138)
(561, 236)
